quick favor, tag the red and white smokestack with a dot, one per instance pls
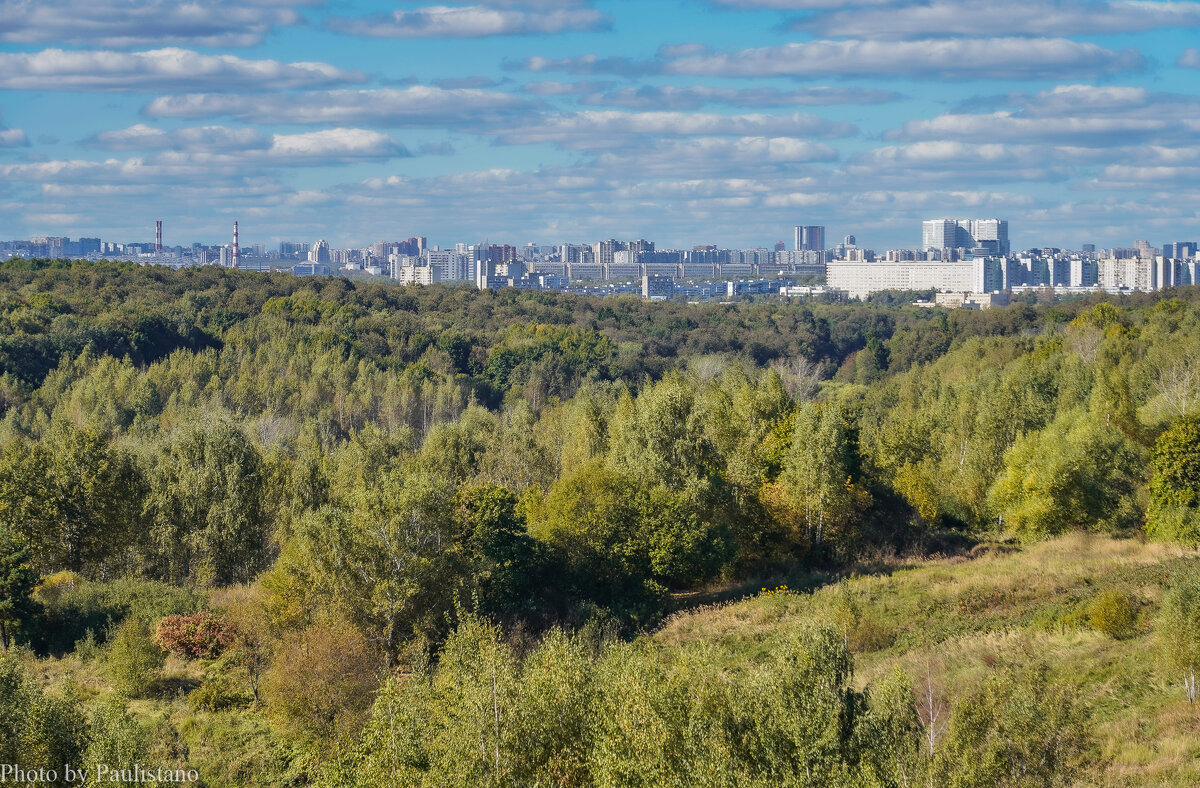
(158, 237)
(237, 254)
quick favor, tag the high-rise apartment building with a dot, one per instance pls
(602, 251)
(988, 234)
(1180, 250)
(991, 234)
(939, 234)
(810, 238)
(319, 253)
(449, 266)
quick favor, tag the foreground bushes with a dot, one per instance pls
(200, 635)
(73, 607)
(632, 715)
(37, 731)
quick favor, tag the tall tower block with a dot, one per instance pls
(158, 236)
(237, 254)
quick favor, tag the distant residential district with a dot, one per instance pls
(962, 262)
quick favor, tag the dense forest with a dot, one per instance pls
(314, 531)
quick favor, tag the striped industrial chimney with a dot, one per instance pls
(158, 236)
(237, 254)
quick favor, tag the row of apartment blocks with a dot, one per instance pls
(450, 267)
(987, 274)
(857, 277)
(488, 268)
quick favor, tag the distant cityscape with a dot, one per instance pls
(965, 262)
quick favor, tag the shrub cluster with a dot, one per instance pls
(202, 635)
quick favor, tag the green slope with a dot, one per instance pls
(952, 622)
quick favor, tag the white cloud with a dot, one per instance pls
(690, 158)
(334, 145)
(84, 171)
(1118, 176)
(907, 200)
(551, 88)
(1016, 17)
(135, 23)
(1190, 58)
(955, 161)
(1071, 115)
(1009, 127)
(159, 69)
(220, 144)
(13, 138)
(143, 137)
(1092, 100)
(611, 129)
(588, 64)
(472, 21)
(988, 58)
(418, 105)
(192, 156)
(934, 156)
(670, 97)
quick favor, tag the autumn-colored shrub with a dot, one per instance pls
(202, 635)
(1112, 613)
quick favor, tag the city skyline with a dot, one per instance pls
(690, 121)
(981, 236)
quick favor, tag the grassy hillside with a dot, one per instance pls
(948, 623)
(952, 622)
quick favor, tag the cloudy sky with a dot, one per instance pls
(681, 121)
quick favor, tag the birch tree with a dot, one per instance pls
(818, 472)
(1179, 628)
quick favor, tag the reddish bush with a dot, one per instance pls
(202, 635)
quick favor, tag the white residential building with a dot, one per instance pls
(451, 266)
(417, 275)
(860, 279)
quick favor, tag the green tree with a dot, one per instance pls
(37, 731)
(504, 562)
(1174, 511)
(592, 525)
(208, 504)
(871, 363)
(660, 438)
(1179, 627)
(134, 660)
(623, 542)
(1017, 731)
(819, 471)
(76, 498)
(1074, 473)
(117, 740)
(387, 560)
(321, 682)
(17, 581)
(685, 721)
(888, 735)
(483, 718)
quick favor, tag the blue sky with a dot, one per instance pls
(681, 121)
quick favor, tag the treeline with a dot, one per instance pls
(353, 477)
